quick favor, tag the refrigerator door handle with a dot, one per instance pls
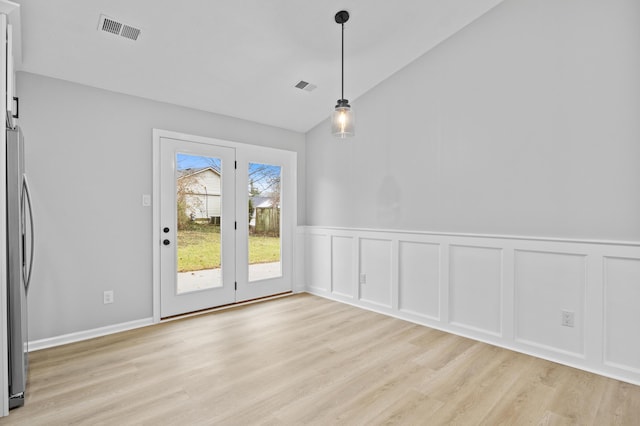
(26, 196)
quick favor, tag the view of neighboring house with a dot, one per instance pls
(201, 190)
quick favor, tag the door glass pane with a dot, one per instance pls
(264, 221)
(198, 208)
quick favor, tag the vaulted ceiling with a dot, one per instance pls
(239, 58)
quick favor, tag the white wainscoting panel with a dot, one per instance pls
(503, 290)
(342, 266)
(375, 269)
(545, 285)
(419, 280)
(475, 288)
(622, 311)
(318, 262)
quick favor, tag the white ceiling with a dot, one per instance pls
(238, 57)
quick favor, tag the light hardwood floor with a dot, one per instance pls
(306, 360)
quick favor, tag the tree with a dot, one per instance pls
(251, 209)
(184, 188)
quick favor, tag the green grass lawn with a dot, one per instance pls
(199, 248)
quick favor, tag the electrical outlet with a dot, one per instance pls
(568, 319)
(107, 297)
(146, 200)
(363, 278)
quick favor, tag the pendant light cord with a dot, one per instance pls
(342, 88)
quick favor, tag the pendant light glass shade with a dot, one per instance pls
(342, 120)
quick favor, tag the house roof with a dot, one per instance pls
(260, 202)
(182, 173)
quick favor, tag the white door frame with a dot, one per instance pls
(288, 267)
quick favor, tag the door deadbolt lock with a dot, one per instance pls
(165, 230)
(166, 242)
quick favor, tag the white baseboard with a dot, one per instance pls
(78, 336)
(475, 336)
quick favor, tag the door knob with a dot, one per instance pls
(166, 242)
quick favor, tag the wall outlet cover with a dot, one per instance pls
(107, 297)
(568, 319)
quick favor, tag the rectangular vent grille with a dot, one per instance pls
(306, 86)
(113, 26)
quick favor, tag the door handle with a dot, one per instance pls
(166, 242)
(17, 114)
(26, 196)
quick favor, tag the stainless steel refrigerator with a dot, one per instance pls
(19, 265)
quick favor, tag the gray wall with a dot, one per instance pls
(527, 122)
(89, 162)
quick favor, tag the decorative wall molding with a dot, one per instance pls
(503, 290)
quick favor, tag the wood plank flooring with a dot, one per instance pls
(307, 360)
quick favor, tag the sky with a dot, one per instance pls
(263, 175)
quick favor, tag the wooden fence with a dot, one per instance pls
(267, 222)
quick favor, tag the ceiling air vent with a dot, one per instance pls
(113, 26)
(307, 87)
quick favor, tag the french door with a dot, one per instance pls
(266, 191)
(224, 222)
(197, 256)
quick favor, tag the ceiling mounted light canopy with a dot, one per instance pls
(342, 120)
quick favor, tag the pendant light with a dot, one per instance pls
(342, 120)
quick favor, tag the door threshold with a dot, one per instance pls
(227, 306)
